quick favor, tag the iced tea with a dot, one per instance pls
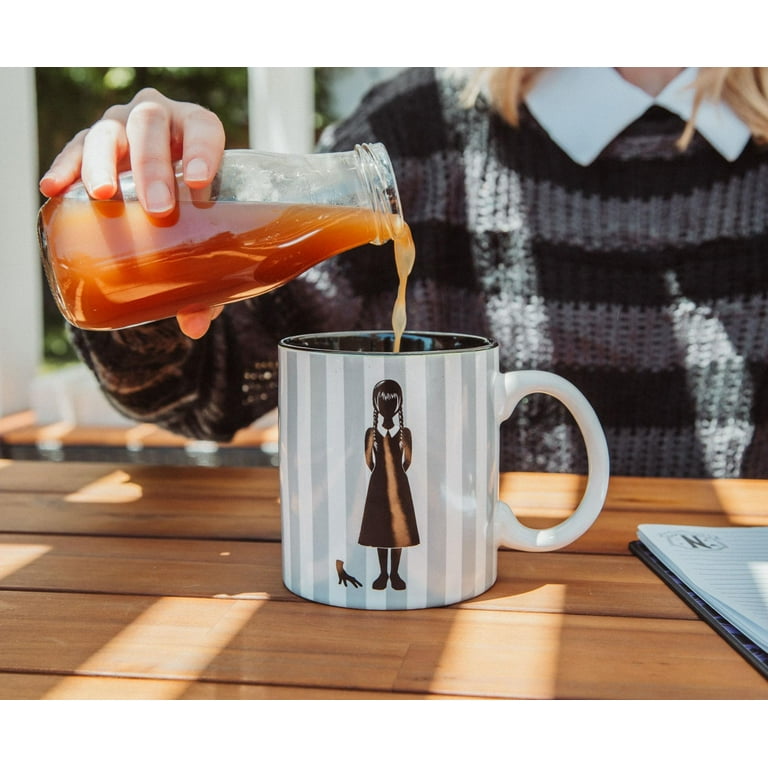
(111, 265)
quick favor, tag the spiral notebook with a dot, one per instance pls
(721, 573)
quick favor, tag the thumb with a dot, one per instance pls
(195, 321)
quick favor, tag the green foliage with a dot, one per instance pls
(72, 98)
(323, 112)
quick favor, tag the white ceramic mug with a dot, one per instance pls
(389, 475)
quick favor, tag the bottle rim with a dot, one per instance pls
(382, 187)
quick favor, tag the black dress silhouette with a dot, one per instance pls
(389, 519)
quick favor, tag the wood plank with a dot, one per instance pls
(535, 491)
(585, 584)
(131, 509)
(548, 496)
(600, 585)
(549, 656)
(111, 480)
(742, 496)
(562, 492)
(542, 500)
(156, 515)
(22, 429)
(139, 566)
(229, 502)
(19, 686)
(117, 500)
(439, 651)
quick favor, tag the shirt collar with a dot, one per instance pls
(584, 108)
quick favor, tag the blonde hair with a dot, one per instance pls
(744, 89)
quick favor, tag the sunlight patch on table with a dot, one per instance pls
(115, 487)
(741, 502)
(176, 638)
(14, 557)
(502, 651)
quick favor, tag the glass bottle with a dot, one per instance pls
(265, 219)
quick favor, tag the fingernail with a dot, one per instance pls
(47, 183)
(159, 198)
(104, 187)
(197, 170)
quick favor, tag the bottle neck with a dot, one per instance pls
(376, 169)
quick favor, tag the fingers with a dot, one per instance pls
(148, 134)
(195, 321)
(92, 156)
(203, 146)
(65, 169)
(104, 146)
(158, 132)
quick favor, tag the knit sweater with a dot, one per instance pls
(641, 278)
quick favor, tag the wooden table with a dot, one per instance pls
(133, 581)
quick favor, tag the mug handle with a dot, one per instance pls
(510, 532)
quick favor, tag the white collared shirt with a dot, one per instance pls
(584, 108)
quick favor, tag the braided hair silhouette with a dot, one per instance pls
(389, 520)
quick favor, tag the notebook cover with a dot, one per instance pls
(749, 650)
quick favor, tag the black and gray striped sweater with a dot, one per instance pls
(642, 278)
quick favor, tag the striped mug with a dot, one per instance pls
(389, 479)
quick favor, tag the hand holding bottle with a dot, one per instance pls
(146, 135)
(264, 219)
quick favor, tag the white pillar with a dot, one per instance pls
(20, 289)
(281, 107)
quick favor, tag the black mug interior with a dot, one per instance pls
(383, 341)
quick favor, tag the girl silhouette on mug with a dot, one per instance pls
(389, 520)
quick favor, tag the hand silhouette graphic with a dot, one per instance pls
(344, 577)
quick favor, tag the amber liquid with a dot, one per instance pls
(111, 265)
(405, 255)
